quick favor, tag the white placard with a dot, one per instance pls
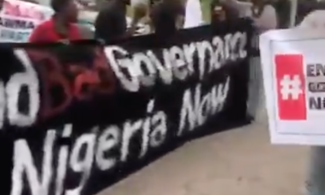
(293, 63)
(19, 18)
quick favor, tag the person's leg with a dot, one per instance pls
(315, 184)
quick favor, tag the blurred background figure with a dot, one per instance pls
(111, 22)
(222, 12)
(315, 21)
(264, 18)
(61, 26)
(261, 12)
(86, 32)
(32, 1)
(193, 14)
(284, 9)
(167, 16)
(218, 13)
(1, 4)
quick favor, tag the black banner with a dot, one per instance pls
(75, 119)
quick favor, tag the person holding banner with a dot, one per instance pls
(61, 27)
(315, 184)
(111, 23)
(261, 12)
(167, 17)
(222, 12)
(264, 18)
(314, 20)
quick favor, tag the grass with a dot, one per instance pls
(205, 6)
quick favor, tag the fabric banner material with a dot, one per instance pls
(75, 119)
(294, 82)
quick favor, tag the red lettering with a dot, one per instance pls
(51, 74)
(85, 85)
(104, 72)
(84, 82)
(71, 80)
(10, 9)
(99, 79)
(23, 10)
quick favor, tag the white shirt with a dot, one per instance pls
(193, 14)
(314, 20)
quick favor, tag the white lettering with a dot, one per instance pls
(19, 81)
(2, 104)
(177, 58)
(107, 141)
(23, 162)
(196, 111)
(129, 130)
(62, 162)
(79, 164)
(143, 62)
(132, 83)
(176, 62)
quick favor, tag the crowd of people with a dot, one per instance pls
(164, 17)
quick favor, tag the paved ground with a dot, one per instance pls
(237, 162)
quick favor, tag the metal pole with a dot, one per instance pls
(293, 13)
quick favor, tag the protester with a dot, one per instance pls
(167, 16)
(263, 13)
(218, 13)
(1, 4)
(193, 14)
(315, 184)
(61, 26)
(221, 12)
(314, 20)
(111, 23)
(264, 18)
(284, 9)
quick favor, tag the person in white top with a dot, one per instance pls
(316, 177)
(265, 18)
(193, 14)
(263, 14)
(314, 20)
(193, 11)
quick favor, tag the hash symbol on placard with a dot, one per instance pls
(290, 87)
